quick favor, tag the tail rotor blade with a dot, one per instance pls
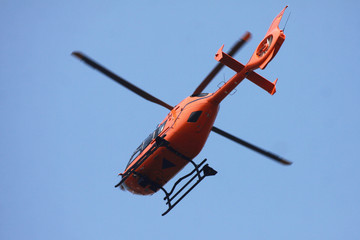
(219, 66)
(120, 80)
(251, 146)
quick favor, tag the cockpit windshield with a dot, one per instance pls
(146, 142)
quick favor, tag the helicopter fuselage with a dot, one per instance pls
(186, 129)
(188, 125)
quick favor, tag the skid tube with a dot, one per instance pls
(205, 171)
(195, 173)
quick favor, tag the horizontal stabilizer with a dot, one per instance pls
(265, 84)
(252, 76)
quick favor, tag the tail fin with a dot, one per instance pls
(269, 46)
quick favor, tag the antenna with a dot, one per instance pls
(286, 22)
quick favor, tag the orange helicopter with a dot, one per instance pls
(179, 138)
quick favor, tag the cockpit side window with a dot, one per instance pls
(146, 142)
(135, 154)
(159, 129)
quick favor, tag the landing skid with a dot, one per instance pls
(205, 171)
(199, 172)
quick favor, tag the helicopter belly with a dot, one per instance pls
(155, 172)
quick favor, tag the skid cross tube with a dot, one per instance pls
(196, 168)
(205, 170)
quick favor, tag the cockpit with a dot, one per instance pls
(146, 142)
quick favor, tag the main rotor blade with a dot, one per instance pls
(251, 146)
(120, 80)
(219, 66)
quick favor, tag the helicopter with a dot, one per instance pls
(181, 135)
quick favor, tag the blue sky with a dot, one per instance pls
(67, 131)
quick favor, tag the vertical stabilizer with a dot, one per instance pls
(269, 46)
